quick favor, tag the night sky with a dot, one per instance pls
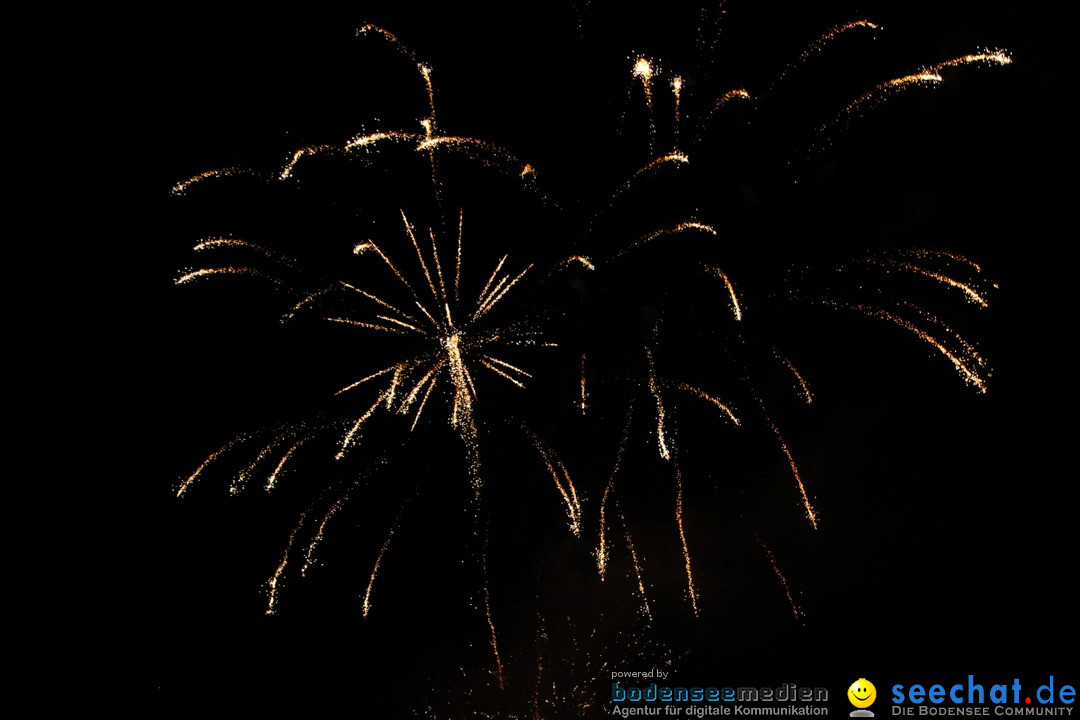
(947, 539)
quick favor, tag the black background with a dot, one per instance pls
(947, 544)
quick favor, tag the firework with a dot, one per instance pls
(682, 539)
(276, 578)
(664, 284)
(442, 337)
(824, 41)
(925, 77)
(666, 247)
(602, 550)
(563, 483)
(644, 71)
(456, 343)
(780, 576)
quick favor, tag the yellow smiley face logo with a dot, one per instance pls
(862, 693)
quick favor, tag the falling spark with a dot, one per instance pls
(420, 255)
(563, 483)
(208, 272)
(488, 153)
(833, 33)
(426, 72)
(682, 539)
(645, 609)
(372, 376)
(826, 38)
(811, 514)
(967, 348)
(654, 388)
(389, 37)
(378, 561)
(490, 619)
(186, 484)
(309, 298)
(486, 362)
(370, 139)
(493, 299)
(271, 481)
(986, 57)
(665, 232)
(721, 102)
(602, 555)
(228, 242)
(972, 294)
(370, 245)
(927, 253)
(400, 323)
(356, 426)
(584, 391)
(877, 95)
(276, 577)
(181, 187)
(780, 575)
(508, 366)
(674, 158)
(421, 68)
(802, 382)
(968, 373)
(601, 550)
(438, 264)
(927, 76)
(297, 156)
(579, 260)
(309, 555)
(457, 263)
(698, 392)
(429, 375)
(242, 477)
(369, 326)
(464, 143)
(491, 279)
(601, 547)
(420, 407)
(731, 291)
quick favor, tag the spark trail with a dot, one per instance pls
(378, 560)
(783, 580)
(736, 309)
(811, 514)
(682, 538)
(926, 77)
(275, 579)
(563, 483)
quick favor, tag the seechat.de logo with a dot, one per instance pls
(862, 694)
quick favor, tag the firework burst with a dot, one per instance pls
(406, 317)
(694, 286)
(679, 290)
